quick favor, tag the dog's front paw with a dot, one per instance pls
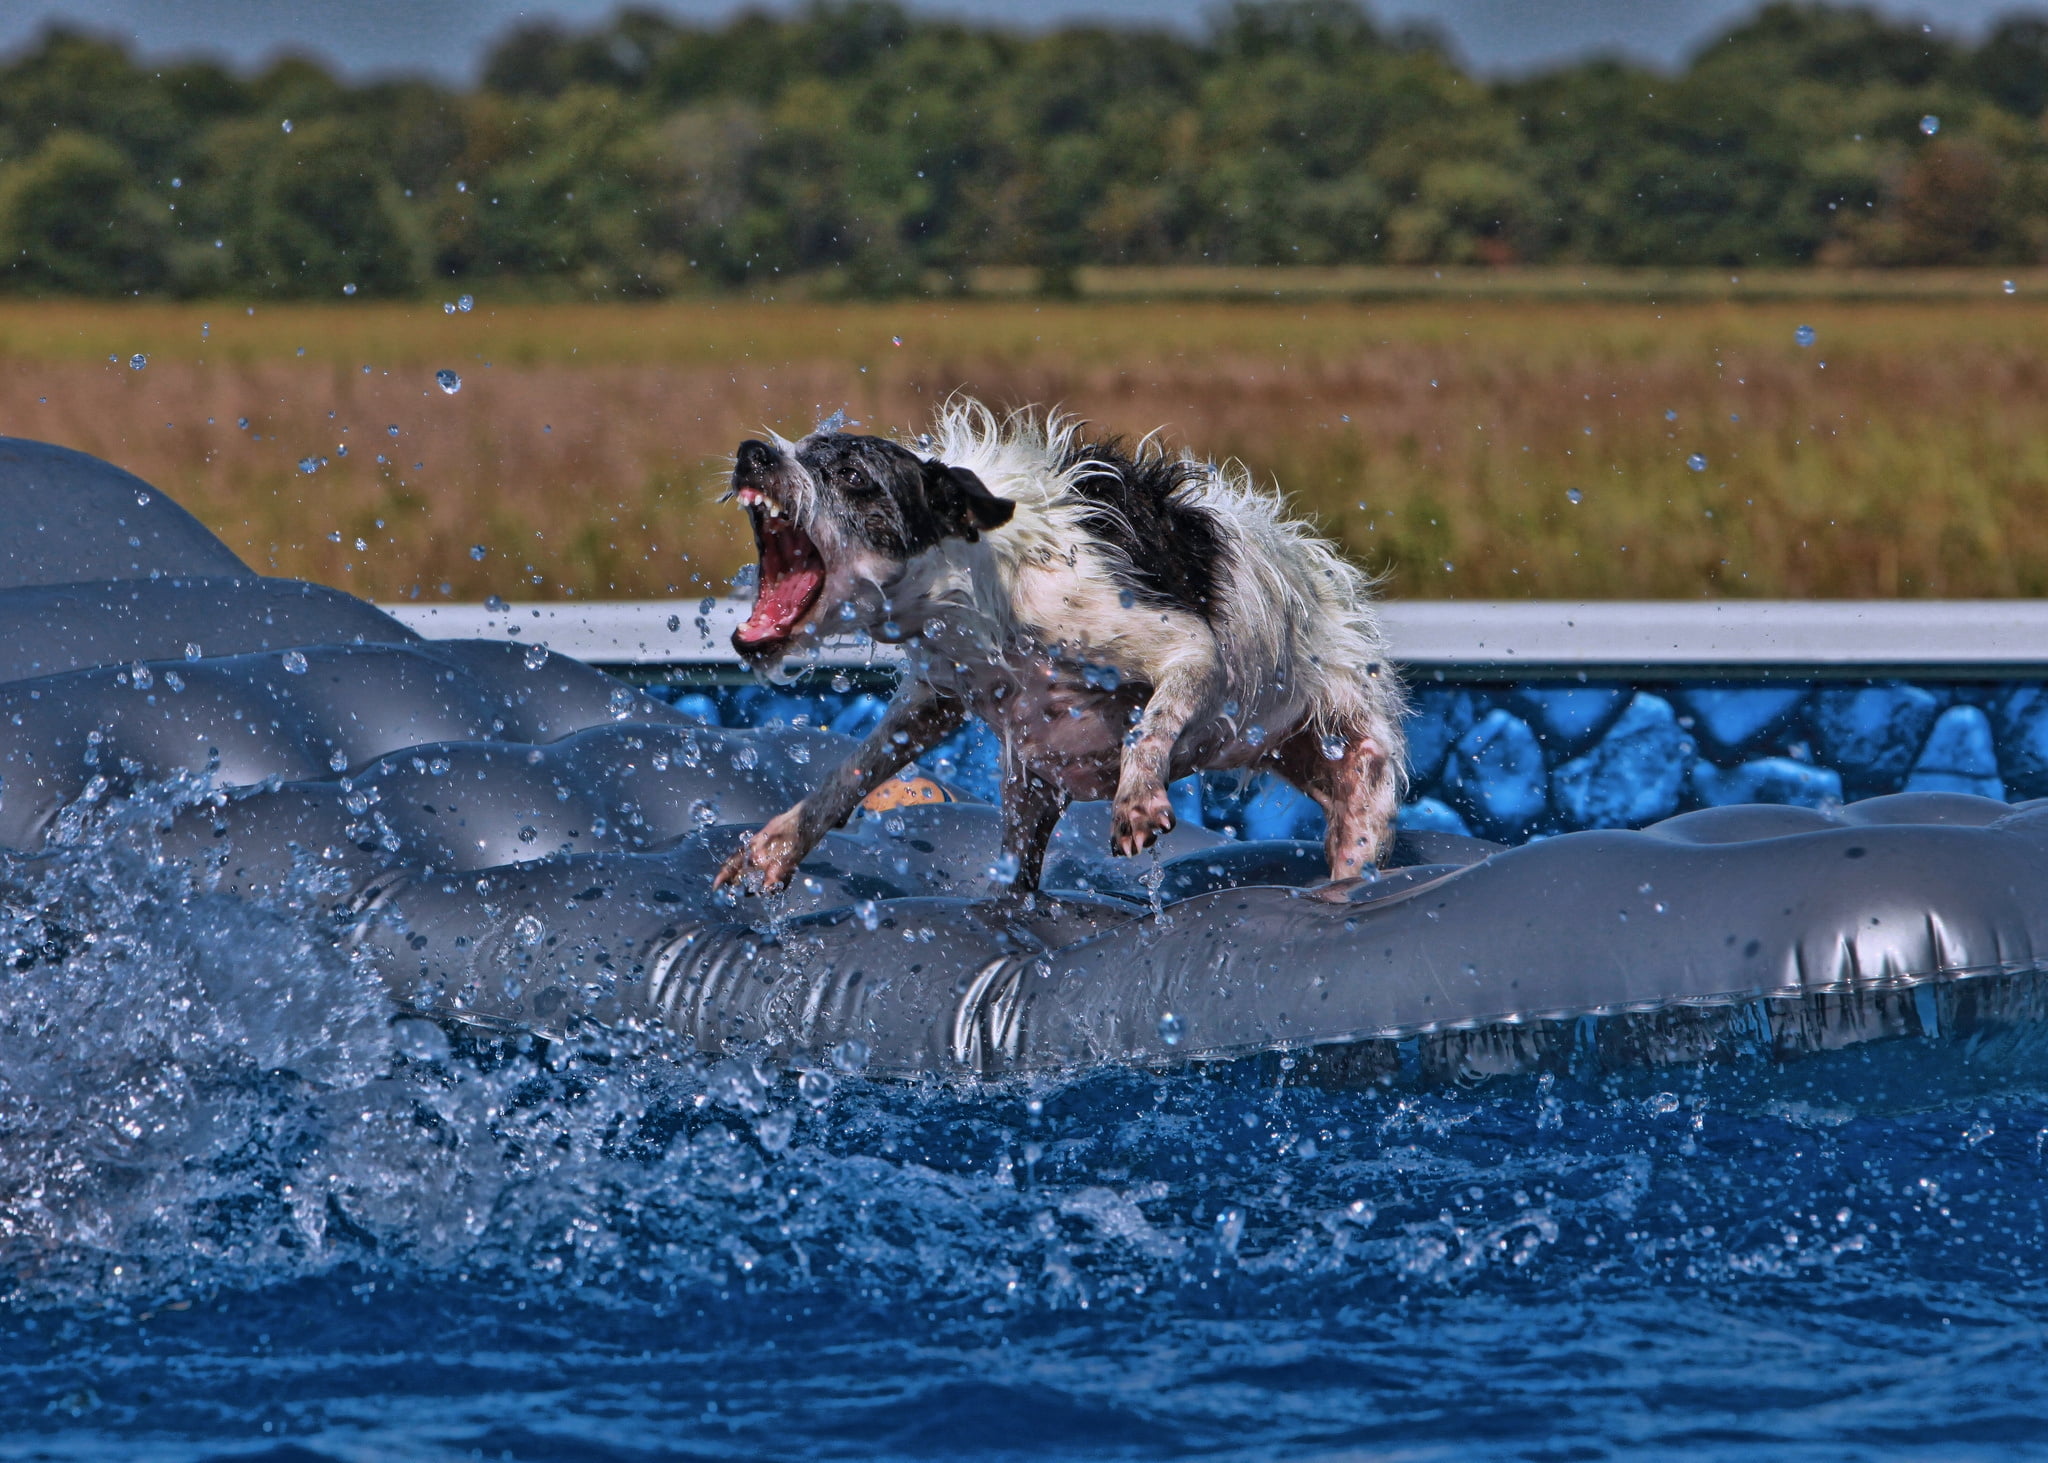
(1139, 819)
(765, 861)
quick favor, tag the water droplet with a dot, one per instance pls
(448, 381)
(1171, 1029)
(1930, 124)
(465, 303)
(496, 604)
(1670, 416)
(842, 682)
(870, 917)
(1333, 747)
(338, 760)
(816, 1087)
(1697, 462)
(392, 430)
(1449, 567)
(242, 422)
(1573, 495)
(477, 552)
(621, 702)
(310, 465)
(192, 651)
(2010, 288)
(529, 930)
(895, 340)
(334, 537)
(137, 361)
(850, 1055)
(536, 657)
(140, 675)
(295, 662)
(447, 307)
(287, 124)
(1805, 335)
(348, 289)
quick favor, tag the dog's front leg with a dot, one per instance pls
(919, 717)
(1142, 811)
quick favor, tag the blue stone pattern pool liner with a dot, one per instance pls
(1517, 761)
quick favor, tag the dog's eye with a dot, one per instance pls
(855, 483)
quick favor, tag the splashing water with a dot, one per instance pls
(246, 1200)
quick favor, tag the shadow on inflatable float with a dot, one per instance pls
(514, 839)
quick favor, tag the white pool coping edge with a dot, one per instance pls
(1442, 633)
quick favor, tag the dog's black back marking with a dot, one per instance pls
(1170, 549)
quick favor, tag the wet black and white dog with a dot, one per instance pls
(1119, 618)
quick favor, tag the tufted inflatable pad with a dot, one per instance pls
(1697, 915)
(71, 518)
(48, 629)
(511, 837)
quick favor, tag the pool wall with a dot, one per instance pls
(1529, 719)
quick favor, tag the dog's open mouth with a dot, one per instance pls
(792, 576)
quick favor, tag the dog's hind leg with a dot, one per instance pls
(919, 717)
(1358, 789)
(1032, 803)
(1142, 811)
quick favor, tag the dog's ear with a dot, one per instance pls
(962, 500)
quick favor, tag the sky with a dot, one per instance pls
(447, 38)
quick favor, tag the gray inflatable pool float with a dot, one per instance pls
(512, 838)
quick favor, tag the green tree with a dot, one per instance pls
(308, 211)
(74, 219)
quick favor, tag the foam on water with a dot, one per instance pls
(244, 1201)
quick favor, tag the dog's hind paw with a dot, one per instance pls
(1139, 819)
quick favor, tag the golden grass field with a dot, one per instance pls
(1905, 453)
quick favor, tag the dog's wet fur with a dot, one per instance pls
(1119, 616)
(1167, 547)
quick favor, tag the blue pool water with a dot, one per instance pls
(246, 1213)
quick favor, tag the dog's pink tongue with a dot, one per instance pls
(780, 605)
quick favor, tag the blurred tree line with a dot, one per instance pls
(887, 152)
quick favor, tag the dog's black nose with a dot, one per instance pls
(753, 457)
